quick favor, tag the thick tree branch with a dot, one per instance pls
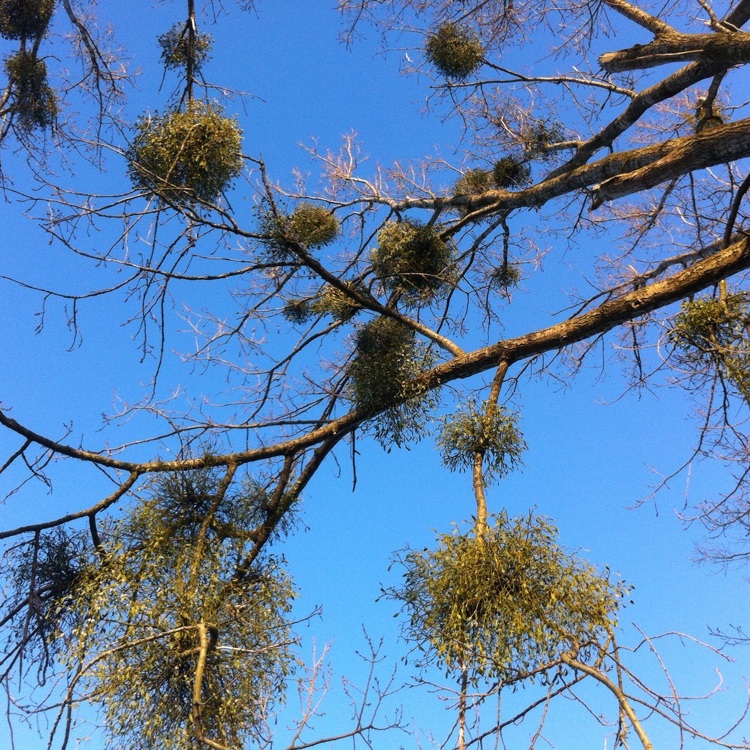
(620, 174)
(639, 16)
(719, 145)
(608, 315)
(725, 48)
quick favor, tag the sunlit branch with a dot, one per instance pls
(583, 80)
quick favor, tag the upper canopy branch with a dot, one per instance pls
(665, 89)
(725, 47)
(619, 174)
(639, 16)
(718, 145)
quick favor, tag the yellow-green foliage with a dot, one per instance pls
(297, 311)
(186, 156)
(504, 604)
(412, 259)
(472, 430)
(175, 48)
(330, 301)
(34, 101)
(474, 181)
(313, 226)
(171, 571)
(25, 19)
(454, 50)
(308, 225)
(508, 172)
(384, 363)
(506, 276)
(713, 335)
(708, 323)
(334, 302)
(382, 373)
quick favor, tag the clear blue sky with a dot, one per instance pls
(595, 450)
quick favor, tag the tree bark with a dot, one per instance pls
(718, 145)
(726, 48)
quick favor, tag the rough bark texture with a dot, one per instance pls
(725, 48)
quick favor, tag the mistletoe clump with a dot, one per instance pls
(454, 50)
(45, 574)
(510, 172)
(474, 181)
(312, 226)
(386, 364)
(175, 48)
(506, 276)
(503, 604)
(309, 226)
(330, 301)
(297, 311)
(706, 325)
(336, 303)
(412, 259)
(713, 335)
(180, 611)
(493, 432)
(507, 172)
(186, 156)
(25, 19)
(538, 138)
(34, 101)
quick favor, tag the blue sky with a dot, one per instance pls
(595, 449)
